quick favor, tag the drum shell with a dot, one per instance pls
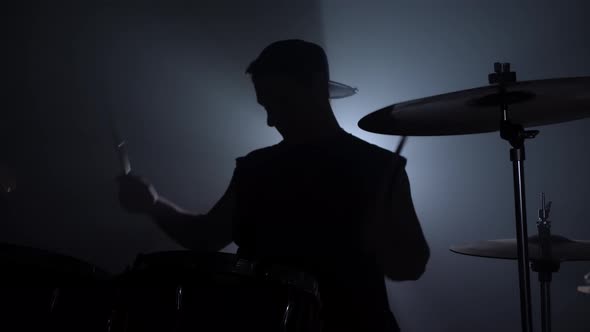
(184, 291)
(44, 290)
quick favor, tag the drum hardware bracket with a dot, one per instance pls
(502, 74)
(515, 134)
(511, 132)
(545, 268)
(547, 265)
(544, 212)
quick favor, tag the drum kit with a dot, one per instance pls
(184, 290)
(162, 291)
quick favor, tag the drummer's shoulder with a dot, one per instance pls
(370, 148)
(258, 155)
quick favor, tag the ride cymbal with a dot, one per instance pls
(531, 103)
(340, 90)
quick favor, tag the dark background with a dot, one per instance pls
(171, 74)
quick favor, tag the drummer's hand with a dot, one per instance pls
(136, 195)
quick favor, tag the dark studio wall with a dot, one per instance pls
(170, 74)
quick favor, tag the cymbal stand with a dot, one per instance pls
(545, 266)
(515, 134)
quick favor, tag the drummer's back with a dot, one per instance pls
(304, 205)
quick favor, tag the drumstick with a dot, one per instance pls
(108, 96)
(391, 177)
(399, 166)
(118, 141)
(401, 144)
(386, 187)
(121, 148)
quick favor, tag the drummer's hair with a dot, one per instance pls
(294, 58)
(258, 69)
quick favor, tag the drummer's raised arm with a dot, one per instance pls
(201, 232)
(395, 235)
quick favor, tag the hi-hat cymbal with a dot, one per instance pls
(562, 249)
(532, 103)
(339, 90)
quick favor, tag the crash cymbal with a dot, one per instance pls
(531, 103)
(339, 90)
(562, 249)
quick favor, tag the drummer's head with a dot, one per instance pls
(291, 82)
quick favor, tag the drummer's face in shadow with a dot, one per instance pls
(279, 97)
(288, 103)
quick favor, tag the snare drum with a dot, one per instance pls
(189, 291)
(42, 290)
